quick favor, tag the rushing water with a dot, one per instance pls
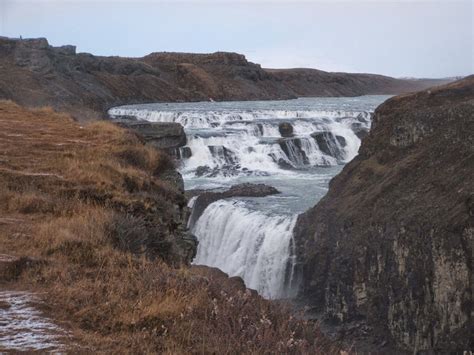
(235, 142)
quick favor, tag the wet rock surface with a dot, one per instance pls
(390, 245)
(328, 143)
(285, 129)
(205, 198)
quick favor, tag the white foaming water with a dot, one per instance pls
(212, 119)
(249, 244)
(244, 138)
(236, 142)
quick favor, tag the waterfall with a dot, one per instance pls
(232, 142)
(249, 244)
(293, 145)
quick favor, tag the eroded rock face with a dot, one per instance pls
(161, 135)
(329, 144)
(391, 242)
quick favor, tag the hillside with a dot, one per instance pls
(93, 236)
(33, 73)
(313, 82)
(391, 242)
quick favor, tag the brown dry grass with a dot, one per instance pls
(65, 193)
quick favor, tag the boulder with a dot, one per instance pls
(285, 129)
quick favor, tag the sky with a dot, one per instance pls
(399, 38)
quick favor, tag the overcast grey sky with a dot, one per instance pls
(399, 38)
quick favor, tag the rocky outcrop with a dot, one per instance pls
(33, 73)
(205, 198)
(391, 242)
(166, 136)
(161, 135)
(330, 144)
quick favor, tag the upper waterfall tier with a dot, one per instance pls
(261, 138)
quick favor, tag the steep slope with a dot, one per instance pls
(33, 73)
(391, 242)
(80, 208)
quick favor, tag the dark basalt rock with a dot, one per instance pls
(285, 129)
(202, 170)
(161, 135)
(327, 143)
(282, 163)
(184, 153)
(341, 140)
(360, 130)
(223, 153)
(292, 149)
(391, 243)
(205, 198)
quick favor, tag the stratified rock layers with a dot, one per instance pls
(392, 240)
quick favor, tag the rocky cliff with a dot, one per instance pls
(391, 242)
(33, 73)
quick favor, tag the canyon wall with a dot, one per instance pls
(391, 242)
(34, 73)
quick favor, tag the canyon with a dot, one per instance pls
(388, 245)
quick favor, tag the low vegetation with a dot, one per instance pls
(93, 225)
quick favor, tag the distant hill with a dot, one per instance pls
(33, 73)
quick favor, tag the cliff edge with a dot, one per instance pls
(391, 242)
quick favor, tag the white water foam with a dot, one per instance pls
(209, 119)
(249, 140)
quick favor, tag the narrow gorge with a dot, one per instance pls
(181, 202)
(373, 250)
